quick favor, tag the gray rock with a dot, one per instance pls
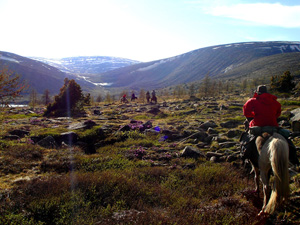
(211, 130)
(208, 124)
(227, 144)
(88, 148)
(215, 154)
(97, 112)
(233, 133)
(82, 125)
(296, 126)
(295, 115)
(11, 137)
(190, 152)
(231, 158)
(213, 159)
(48, 142)
(231, 124)
(154, 110)
(190, 112)
(20, 133)
(69, 138)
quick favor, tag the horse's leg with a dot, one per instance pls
(256, 179)
(266, 188)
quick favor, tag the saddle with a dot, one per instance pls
(248, 146)
(258, 131)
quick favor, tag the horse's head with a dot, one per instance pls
(244, 141)
(248, 148)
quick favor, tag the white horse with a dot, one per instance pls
(273, 155)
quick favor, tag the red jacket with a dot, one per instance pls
(264, 109)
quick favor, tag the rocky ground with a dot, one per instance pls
(202, 130)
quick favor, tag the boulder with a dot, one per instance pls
(88, 124)
(223, 107)
(97, 112)
(296, 126)
(295, 119)
(20, 133)
(11, 137)
(233, 133)
(295, 115)
(208, 124)
(88, 148)
(154, 110)
(227, 144)
(69, 138)
(48, 142)
(213, 154)
(231, 158)
(211, 130)
(193, 111)
(213, 159)
(231, 124)
(190, 152)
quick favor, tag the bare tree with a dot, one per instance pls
(11, 86)
(142, 96)
(46, 97)
(33, 98)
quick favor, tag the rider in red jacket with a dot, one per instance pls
(263, 109)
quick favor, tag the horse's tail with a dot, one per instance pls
(279, 157)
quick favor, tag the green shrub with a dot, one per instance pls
(68, 102)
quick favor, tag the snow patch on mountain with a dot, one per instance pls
(96, 84)
(295, 47)
(8, 59)
(156, 64)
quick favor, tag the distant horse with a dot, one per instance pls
(273, 155)
(154, 99)
(124, 100)
(133, 98)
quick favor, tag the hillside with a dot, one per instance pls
(266, 66)
(218, 61)
(38, 75)
(87, 64)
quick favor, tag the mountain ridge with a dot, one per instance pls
(40, 76)
(245, 59)
(194, 65)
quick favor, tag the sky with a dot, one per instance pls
(143, 30)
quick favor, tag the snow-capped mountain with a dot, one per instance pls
(87, 64)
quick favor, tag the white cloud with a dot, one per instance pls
(261, 13)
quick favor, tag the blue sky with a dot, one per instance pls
(143, 30)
